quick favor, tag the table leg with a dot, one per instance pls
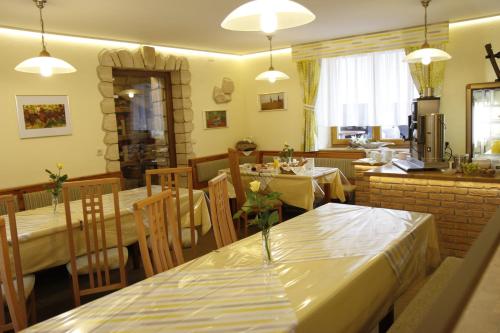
(328, 193)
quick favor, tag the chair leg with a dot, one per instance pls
(280, 213)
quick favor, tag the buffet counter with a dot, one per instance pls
(461, 204)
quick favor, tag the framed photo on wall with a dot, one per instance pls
(273, 102)
(40, 116)
(215, 119)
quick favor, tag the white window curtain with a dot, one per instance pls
(370, 89)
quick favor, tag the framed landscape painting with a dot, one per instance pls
(215, 119)
(40, 116)
(272, 102)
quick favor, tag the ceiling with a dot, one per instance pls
(195, 24)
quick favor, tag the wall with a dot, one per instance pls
(468, 65)
(23, 160)
(271, 129)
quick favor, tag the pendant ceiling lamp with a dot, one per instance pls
(271, 74)
(426, 54)
(130, 92)
(44, 64)
(267, 16)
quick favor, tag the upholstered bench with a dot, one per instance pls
(413, 314)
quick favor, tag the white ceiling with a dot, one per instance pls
(195, 24)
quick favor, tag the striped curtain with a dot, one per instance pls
(309, 72)
(435, 72)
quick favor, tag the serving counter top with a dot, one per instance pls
(390, 170)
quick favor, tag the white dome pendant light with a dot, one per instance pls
(271, 74)
(426, 54)
(44, 64)
(267, 16)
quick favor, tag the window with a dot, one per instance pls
(364, 91)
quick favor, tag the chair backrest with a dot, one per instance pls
(95, 236)
(161, 223)
(174, 179)
(16, 300)
(234, 166)
(220, 211)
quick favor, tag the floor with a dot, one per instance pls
(54, 290)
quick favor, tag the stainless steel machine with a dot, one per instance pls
(426, 134)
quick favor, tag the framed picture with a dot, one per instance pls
(40, 116)
(215, 119)
(272, 102)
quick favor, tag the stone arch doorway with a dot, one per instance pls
(146, 58)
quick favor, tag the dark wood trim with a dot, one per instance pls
(169, 106)
(169, 110)
(20, 190)
(468, 111)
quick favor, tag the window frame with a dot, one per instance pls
(376, 136)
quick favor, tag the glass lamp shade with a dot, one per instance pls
(267, 16)
(427, 55)
(272, 76)
(45, 66)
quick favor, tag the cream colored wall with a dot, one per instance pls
(271, 129)
(468, 65)
(23, 160)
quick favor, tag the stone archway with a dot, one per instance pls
(146, 58)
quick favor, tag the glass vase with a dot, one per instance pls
(266, 246)
(55, 202)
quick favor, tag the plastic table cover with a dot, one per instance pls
(338, 268)
(298, 190)
(43, 239)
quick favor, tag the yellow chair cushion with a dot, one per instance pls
(29, 284)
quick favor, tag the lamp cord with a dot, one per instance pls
(40, 4)
(270, 51)
(425, 4)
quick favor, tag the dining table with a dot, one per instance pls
(42, 233)
(302, 190)
(337, 268)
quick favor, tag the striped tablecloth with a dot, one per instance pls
(337, 268)
(209, 300)
(43, 238)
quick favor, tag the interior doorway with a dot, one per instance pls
(145, 123)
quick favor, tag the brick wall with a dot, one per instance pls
(461, 209)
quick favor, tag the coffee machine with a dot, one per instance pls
(426, 134)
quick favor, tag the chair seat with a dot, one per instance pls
(29, 284)
(82, 266)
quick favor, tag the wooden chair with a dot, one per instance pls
(174, 179)
(234, 166)
(18, 288)
(220, 212)
(99, 257)
(161, 220)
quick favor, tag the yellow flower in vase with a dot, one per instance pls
(255, 186)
